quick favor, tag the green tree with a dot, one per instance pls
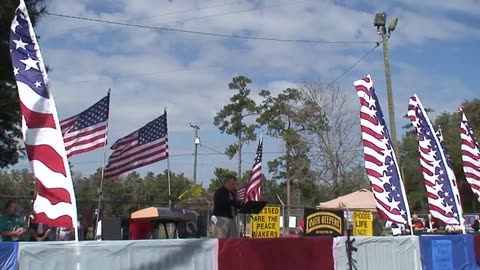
(10, 116)
(280, 115)
(271, 188)
(129, 190)
(86, 192)
(449, 123)
(118, 195)
(232, 118)
(7, 185)
(155, 188)
(220, 173)
(412, 177)
(17, 185)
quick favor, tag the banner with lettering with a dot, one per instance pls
(322, 222)
(362, 223)
(266, 224)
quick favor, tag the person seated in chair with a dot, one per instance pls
(476, 224)
(11, 227)
(417, 224)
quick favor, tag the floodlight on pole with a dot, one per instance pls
(380, 22)
(392, 25)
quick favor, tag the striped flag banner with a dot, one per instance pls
(145, 146)
(252, 190)
(470, 155)
(439, 180)
(55, 203)
(87, 130)
(380, 160)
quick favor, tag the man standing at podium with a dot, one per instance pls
(225, 209)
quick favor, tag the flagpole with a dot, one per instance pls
(169, 183)
(102, 176)
(168, 168)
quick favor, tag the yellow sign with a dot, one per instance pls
(266, 224)
(362, 223)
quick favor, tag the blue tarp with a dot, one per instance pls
(8, 255)
(448, 252)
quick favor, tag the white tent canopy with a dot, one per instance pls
(362, 199)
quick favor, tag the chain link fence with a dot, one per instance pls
(110, 208)
(203, 208)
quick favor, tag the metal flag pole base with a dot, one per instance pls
(350, 248)
(283, 214)
(208, 215)
(244, 226)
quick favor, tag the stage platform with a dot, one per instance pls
(326, 253)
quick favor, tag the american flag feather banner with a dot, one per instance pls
(439, 179)
(380, 160)
(470, 155)
(439, 134)
(87, 130)
(254, 184)
(145, 146)
(55, 203)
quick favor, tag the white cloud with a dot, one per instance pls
(471, 7)
(150, 69)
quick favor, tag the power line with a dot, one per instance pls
(236, 12)
(215, 153)
(354, 64)
(171, 13)
(212, 15)
(194, 9)
(207, 33)
(218, 152)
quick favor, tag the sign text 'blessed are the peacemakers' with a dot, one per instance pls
(266, 224)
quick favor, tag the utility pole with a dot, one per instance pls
(197, 142)
(288, 179)
(379, 23)
(239, 152)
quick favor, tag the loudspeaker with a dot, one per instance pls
(112, 228)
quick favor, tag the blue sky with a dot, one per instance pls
(433, 54)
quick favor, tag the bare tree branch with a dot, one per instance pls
(333, 144)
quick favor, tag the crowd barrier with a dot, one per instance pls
(432, 252)
(395, 253)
